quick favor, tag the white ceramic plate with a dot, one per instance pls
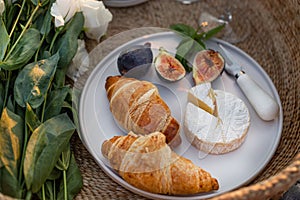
(233, 169)
(122, 3)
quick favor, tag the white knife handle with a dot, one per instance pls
(264, 105)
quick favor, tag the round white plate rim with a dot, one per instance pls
(119, 180)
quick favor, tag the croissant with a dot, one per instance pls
(137, 106)
(148, 163)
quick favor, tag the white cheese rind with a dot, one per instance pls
(202, 95)
(222, 134)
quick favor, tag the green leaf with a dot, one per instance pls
(59, 79)
(1, 96)
(55, 174)
(11, 141)
(12, 12)
(207, 35)
(67, 44)
(49, 191)
(74, 181)
(201, 45)
(184, 29)
(75, 96)
(44, 148)
(192, 44)
(43, 21)
(184, 63)
(55, 101)
(64, 160)
(34, 80)
(46, 27)
(31, 119)
(23, 51)
(9, 184)
(184, 47)
(35, 2)
(10, 106)
(4, 38)
(41, 2)
(46, 54)
(183, 51)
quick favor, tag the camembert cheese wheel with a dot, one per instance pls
(218, 134)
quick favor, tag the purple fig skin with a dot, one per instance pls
(135, 56)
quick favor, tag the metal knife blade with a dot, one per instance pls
(231, 67)
(264, 104)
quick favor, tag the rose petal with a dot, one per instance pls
(2, 6)
(96, 18)
(63, 11)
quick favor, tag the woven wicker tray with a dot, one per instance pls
(271, 30)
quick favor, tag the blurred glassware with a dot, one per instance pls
(122, 3)
(187, 1)
(230, 33)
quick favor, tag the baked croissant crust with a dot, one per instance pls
(148, 163)
(137, 106)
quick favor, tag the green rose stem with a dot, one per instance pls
(45, 100)
(23, 152)
(57, 32)
(29, 194)
(13, 47)
(54, 191)
(42, 120)
(9, 73)
(40, 45)
(43, 192)
(44, 107)
(17, 20)
(65, 180)
(23, 31)
(6, 89)
(22, 160)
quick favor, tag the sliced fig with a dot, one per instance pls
(208, 65)
(168, 67)
(135, 56)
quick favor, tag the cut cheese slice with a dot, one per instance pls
(222, 134)
(203, 96)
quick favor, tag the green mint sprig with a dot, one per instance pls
(192, 41)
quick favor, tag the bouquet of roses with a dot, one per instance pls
(37, 119)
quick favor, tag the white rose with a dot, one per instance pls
(63, 11)
(96, 18)
(2, 6)
(80, 62)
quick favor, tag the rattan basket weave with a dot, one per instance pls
(271, 30)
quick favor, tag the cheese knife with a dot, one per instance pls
(264, 105)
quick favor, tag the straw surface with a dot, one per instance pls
(270, 33)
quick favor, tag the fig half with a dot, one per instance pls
(135, 56)
(207, 66)
(168, 67)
